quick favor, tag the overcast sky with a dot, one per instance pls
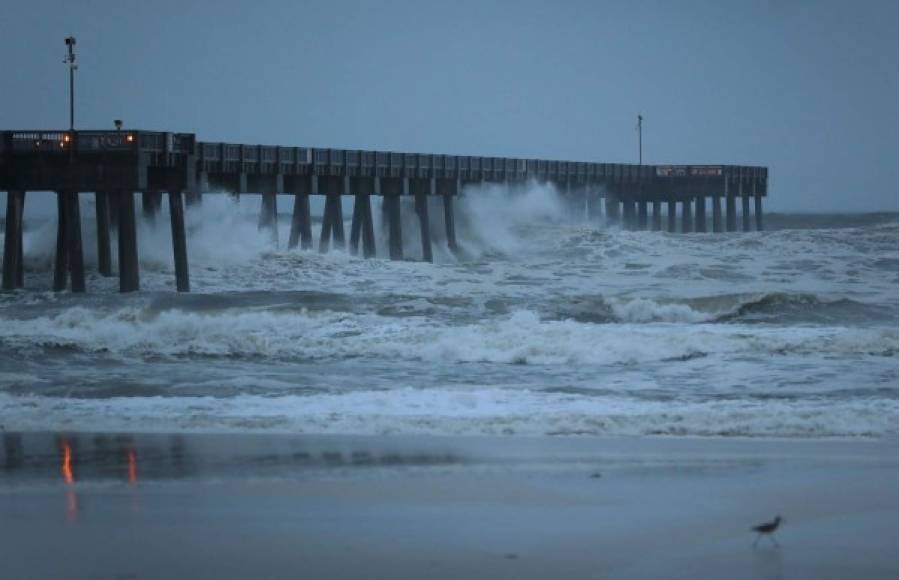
(808, 88)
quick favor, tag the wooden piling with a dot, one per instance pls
(672, 216)
(179, 241)
(421, 208)
(394, 226)
(656, 216)
(129, 267)
(12, 251)
(300, 223)
(716, 214)
(642, 215)
(104, 254)
(72, 207)
(449, 220)
(61, 262)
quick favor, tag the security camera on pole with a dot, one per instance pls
(70, 60)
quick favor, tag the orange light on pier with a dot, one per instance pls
(130, 138)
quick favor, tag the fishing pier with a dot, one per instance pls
(115, 166)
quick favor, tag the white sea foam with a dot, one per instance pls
(475, 411)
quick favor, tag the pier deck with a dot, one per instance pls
(114, 165)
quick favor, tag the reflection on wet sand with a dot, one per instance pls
(130, 459)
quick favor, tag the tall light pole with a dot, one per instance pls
(70, 60)
(640, 137)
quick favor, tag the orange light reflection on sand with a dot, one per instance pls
(67, 474)
(132, 467)
(69, 477)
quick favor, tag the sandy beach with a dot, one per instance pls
(268, 506)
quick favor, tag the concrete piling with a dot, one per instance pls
(747, 218)
(151, 201)
(716, 214)
(759, 225)
(179, 241)
(613, 214)
(701, 224)
(268, 215)
(332, 224)
(61, 260)
(687, 216)
(394, 226)
(672, 216)
(300, 223)
(421, 208)
(656, 216)
(731, 207)
(129, 266)
(449, 220)
(642, 215)
(12, 249)
(104, 253)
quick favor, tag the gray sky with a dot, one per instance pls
(808, 88)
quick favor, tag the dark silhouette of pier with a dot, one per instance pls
(115, 165)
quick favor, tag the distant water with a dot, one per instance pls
(546, 325)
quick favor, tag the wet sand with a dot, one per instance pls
(239, 506)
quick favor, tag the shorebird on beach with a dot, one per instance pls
(767, 529)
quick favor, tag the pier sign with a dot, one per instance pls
(706, 170)
(671, 171)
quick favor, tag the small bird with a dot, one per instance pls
(767, 529)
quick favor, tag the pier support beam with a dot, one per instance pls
(672, 216)
(179, 241)
(716, 214)
(61, 261)
(421, 208)
(394, 226)
(630, 214)
(687, 216)
(268, 215)
(72, 209)
(362, 227)
(300, 223)
(701, 223)
(759, 224)
(656, 216)
(613, 215)
(747, 219)
(449, 220)
(129, 267)
(731, 206)
(332, 224)
(104, 253)
(642, 215)
(12, 249)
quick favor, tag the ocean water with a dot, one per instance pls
(545, 325)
